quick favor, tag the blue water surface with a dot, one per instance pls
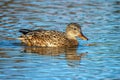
(95, 59)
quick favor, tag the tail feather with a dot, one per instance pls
(25, 31)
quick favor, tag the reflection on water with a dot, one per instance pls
(70, 53)
(100, 23)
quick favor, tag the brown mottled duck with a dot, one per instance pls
(52, 38)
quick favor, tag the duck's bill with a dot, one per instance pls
(82, 36)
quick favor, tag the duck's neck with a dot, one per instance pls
(73, 40)
(69, 36)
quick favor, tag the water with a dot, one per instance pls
(100, 21)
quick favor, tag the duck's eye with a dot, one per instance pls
(74, 28)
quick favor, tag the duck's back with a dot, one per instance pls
(45, 38)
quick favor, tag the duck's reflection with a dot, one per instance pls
(71, 54)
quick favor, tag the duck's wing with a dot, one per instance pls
(28, 34)
(25, 31)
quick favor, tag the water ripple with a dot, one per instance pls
(99, 60)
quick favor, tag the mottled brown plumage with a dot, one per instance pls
(51, 38)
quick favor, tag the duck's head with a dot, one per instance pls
(73, 30)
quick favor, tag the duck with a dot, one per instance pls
(52, 38)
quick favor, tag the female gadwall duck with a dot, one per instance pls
(51, 38)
